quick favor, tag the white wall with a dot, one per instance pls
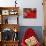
(33, 22)
(27, 4)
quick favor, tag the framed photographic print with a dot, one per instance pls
(5, 12)
(29, 12)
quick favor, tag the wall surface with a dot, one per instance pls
(32, 22)
(27, 4)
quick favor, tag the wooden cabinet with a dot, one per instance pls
(12, 41)
(9, 26)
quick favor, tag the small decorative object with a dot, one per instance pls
(15, 3)
(6, 21)
(15, 30)
(30, 12)
(15, 34)
(5, 12)
(13, 12)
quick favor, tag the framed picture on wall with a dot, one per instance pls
(29, 12)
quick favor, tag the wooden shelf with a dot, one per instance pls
(10, 26)
(5, 8)
(5, 25)
(10, 9)
(9, 43)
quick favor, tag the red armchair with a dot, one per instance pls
(28, 34)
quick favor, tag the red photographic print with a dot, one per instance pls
(29, 12)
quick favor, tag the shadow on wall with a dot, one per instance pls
(38, 30)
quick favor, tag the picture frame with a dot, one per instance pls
(29, 12)
(5, 19)
(5, 12)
